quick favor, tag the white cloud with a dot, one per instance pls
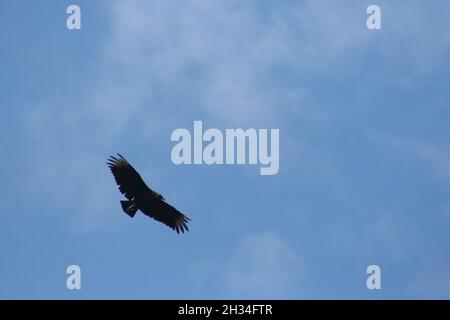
(436, 156)
(416, 38)
(162, 60)
(264, 266)
(392, 232)
(224, 54)
(166, 61)
(68, 176)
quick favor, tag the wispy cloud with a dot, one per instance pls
(437, 157)
(265, 266)
(225, 55)
(201, 58)
(219, 60)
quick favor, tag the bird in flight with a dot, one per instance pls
(141, 197)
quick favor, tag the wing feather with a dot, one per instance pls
(171, 217)
(127, 178)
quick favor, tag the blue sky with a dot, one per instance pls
(364, 148)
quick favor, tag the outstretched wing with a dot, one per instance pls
(171, 217)
(127, 178)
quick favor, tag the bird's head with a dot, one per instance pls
(159, 196)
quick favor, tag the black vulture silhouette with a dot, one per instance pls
(141, 197)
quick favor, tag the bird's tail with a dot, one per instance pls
(129, 207)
